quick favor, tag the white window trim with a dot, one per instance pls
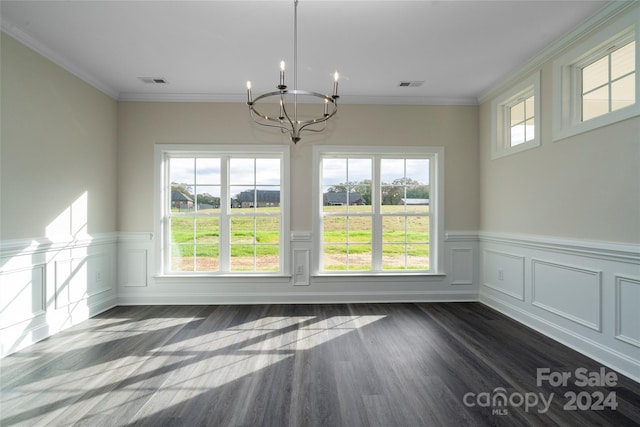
(436, 197)
(160, 203)
(566, 120)
(500, 129)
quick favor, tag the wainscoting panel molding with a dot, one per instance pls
(23, 294)
(584, 294)
(504, 272)
(570, 292)
(141, 282)
(49, 285)
(628, 310)
(462, 266)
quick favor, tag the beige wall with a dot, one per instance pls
(583, 187)
(141, 125)
(58, 149)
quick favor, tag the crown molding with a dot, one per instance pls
(612, 10)
(32, 43)
(344, 99)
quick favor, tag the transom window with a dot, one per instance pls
(515, 118)
(596, 83)
(522, 121)
(376, 211)
(223, 213)
(608, 83)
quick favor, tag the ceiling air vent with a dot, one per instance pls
(153, 80)
(411, 83)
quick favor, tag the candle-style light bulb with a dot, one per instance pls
(336, 76)
(281, 75)
(249, 100)
(326, 107)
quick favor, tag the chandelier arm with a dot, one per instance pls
(267, 124)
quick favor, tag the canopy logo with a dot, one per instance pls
(499, 400)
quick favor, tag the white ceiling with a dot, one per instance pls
(207, 50)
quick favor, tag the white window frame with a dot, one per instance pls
(567, 79)
(163, 191)
(436, 204)
(500, 117)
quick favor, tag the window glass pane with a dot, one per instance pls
(242, 258)
(418, 170)
(623, 92)
(207, 229)
(530, 129)
(417, 199)
(393, 256)
(182, 229)
(268, 229)
(392, 198)
(623, 60)
(359, 229)
(517, 113)
(359, 170)
(517, 134)
(242, 197)
(391, 171)
(361, 196)
(418, 257)
(595, 75)
(359, 257)
(207, 258)
(207, 199)
(418, 229)
(595, 103)
(207, 171)
(242, 229)
(267, 258)
(334, 171)
(334, 257)
(529, 106)
(393, 229)
(334, 201)
(182, 257)
(267, 197)
(335, 229)
(268, 171)
(181, 171)
(242, 171)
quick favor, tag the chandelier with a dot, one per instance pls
(287, 120)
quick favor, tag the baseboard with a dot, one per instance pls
(592, 349)
(298, 298)
(581, 293)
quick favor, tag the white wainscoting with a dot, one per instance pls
(583, 294)
(138, 282)
(49, 285)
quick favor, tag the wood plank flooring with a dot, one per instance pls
(435, 364)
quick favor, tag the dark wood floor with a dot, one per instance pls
(303, 365)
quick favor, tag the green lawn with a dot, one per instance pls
(347, 239)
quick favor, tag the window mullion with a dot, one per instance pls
(224, 250)
(376, 226)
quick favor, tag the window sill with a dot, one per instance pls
(222, 276)
(373, 275)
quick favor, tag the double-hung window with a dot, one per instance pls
(223, 210)
(378, 209)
